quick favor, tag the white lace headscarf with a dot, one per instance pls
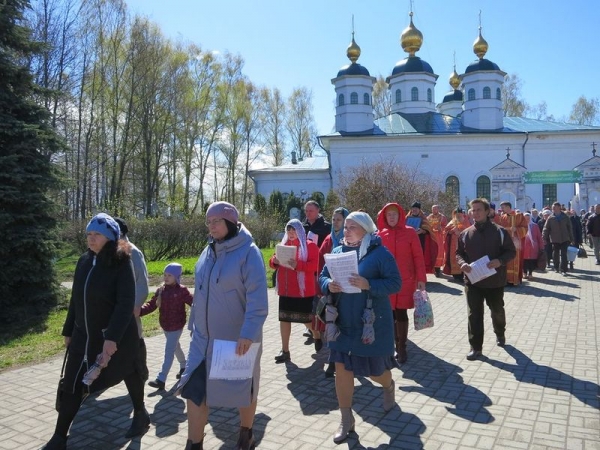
(302, 249)
(367, 224)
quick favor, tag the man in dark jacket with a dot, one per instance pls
(315, 222)
(559, 233)
(485, 238)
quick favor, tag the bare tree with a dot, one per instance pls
(585, 111)
(372, 185)
(301, 123)
(382, 98)
(274, 119)
(512, 103)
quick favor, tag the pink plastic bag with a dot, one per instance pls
(423, 316)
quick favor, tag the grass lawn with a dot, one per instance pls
(39, 338)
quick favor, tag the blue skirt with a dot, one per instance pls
(364, 366)
(195, 388)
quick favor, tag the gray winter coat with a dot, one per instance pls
(230, 302)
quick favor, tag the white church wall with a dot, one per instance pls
(296, 182)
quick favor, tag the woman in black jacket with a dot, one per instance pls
(100, 327)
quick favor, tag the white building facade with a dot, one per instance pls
(464, 142)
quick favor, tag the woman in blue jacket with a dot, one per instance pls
(378, 277)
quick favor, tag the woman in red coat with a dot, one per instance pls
(296, 284)
(403, 242)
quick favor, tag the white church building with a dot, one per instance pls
(464, 141)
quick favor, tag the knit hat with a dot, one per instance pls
(105, 225)
(546, 212)
(416, 205)
(223, 210)
(174, 269)
(493, 206)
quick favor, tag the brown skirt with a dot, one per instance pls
(295, 309)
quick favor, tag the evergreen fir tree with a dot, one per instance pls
(27, 142)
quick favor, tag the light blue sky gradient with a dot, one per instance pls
(552, 45)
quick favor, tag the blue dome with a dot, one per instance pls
(453, 96)
(412, 64)
(353, 69)
(481, 64)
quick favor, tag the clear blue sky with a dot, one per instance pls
(552, 45)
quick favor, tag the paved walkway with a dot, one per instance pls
(540, 392)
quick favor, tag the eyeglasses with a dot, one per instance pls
(214, 222)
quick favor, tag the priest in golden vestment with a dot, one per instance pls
(516, 225)
(438, 223)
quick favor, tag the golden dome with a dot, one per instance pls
(411, 39)
(353, 50)
(454, 79)
(480, 46)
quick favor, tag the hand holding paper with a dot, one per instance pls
(341, 267)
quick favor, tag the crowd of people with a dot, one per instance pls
(392, 256)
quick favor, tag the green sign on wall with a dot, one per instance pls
(552, 177)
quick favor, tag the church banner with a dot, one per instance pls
(552, 177)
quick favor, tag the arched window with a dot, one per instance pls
(483, 187)
(471, 94)
(414, 94)
(354, 98)
(366, 99)
(498, 94)
(398, 96)
(341, 100)
(487, 92)
(453, 189)
(429, 95)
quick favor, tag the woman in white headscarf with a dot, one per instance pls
(377, 278)
(296, 284)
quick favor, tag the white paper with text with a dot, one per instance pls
(480, 270)
(341, 266)
(226, 365)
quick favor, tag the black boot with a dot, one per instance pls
(401, 338)
(140, 424)
(57, 442)
(330, 372)
(318, 345)
(245, 440)
(196, 446)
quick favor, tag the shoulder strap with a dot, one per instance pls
(501, 236)
(62, 370)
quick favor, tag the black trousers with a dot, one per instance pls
(559, 255)
(494, 297)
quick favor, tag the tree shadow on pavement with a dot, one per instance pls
(527, 371)
(314, 393)
(536, 291)
(440, 380)
(227, 429)
(168, 413)
(443, 288)
(403, 428)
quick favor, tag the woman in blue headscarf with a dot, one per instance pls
(336, 235)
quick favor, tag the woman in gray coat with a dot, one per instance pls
(231, 304)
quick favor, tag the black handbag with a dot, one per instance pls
(61, 382)
(581, 253)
